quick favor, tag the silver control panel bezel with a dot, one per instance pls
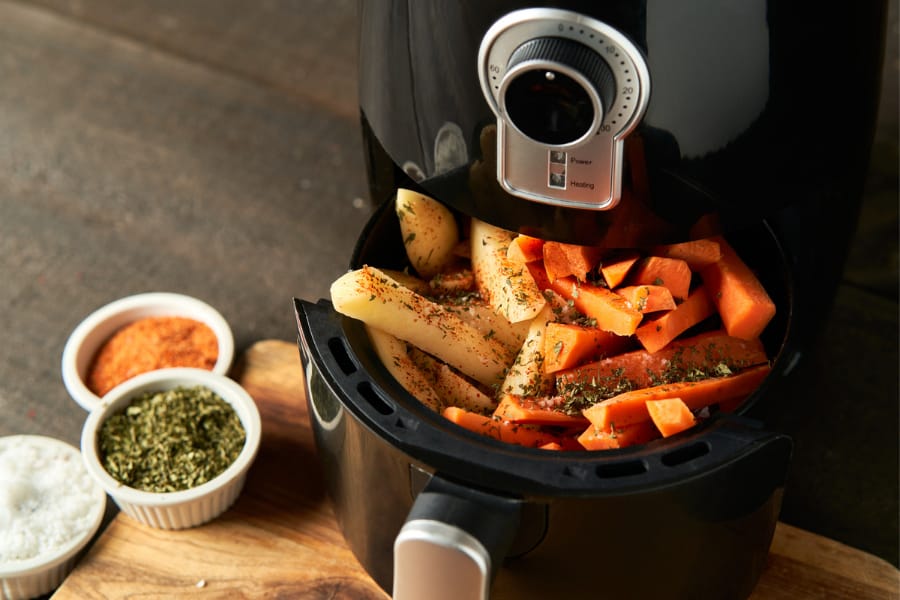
(586, 173)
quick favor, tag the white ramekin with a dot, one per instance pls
(23, 579)
(86, 339)
(187, 508)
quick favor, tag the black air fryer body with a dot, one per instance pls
(753, 119)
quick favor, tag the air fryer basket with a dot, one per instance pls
(715, 490)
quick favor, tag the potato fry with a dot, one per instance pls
(452, 388)
(481, 316)
(526, 377)
(429, 232)
(507, 286)
(374, 298)
(393, 353)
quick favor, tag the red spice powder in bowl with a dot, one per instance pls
(143, 333)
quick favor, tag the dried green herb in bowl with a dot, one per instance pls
(172, 447)
(171, 440)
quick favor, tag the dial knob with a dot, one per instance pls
(555, 90)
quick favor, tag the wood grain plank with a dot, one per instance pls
(281, 539)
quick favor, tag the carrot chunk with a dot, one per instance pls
(738, 295)
(709, 352)
(648, 298)
(568, 344)
(655, 334)
(611, 311)
(615, 269)
(536, 411)
(562, 260)
(670, 415)
(672, 273)
(631, 407)
(512, 433)
(595, 438)
(696, 253)
(525, 249)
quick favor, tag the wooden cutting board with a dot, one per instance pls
(281, 540)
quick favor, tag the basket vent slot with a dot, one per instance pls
(576, 472)
(621, 469)
(339, 352)
(374, 399)
(403, 423)
(685, 454)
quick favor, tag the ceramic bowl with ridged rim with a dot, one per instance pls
(45, 571)
(186, 508)
(89, 335)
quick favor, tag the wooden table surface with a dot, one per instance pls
(280, 539)
(212, 147)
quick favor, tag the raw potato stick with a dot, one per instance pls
(507, 285)
(429, 231)
(393, 354)
(452, 388)
(526, 375)
(374, 298)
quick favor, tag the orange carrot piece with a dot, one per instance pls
(567, 345)
(595, 438)
(551, 446)
(511, 433)
(539, 274)
(631, 407)
(742, 302)
(615, 269)
(648, 298)
(670, 415)
(525, 248)
(535, 411)
(562, 260)
(640, 369)
(672, 273)
(656, 334)
(611, 311)
(696, 253)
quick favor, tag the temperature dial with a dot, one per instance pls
(566, 90)
(555, 90)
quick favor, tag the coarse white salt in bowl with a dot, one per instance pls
(87, 338)
(50, 508)
(185, 508)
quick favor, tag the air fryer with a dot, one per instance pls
(675, 121)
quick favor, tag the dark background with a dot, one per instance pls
(212, 148)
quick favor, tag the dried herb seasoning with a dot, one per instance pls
(172, 440)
